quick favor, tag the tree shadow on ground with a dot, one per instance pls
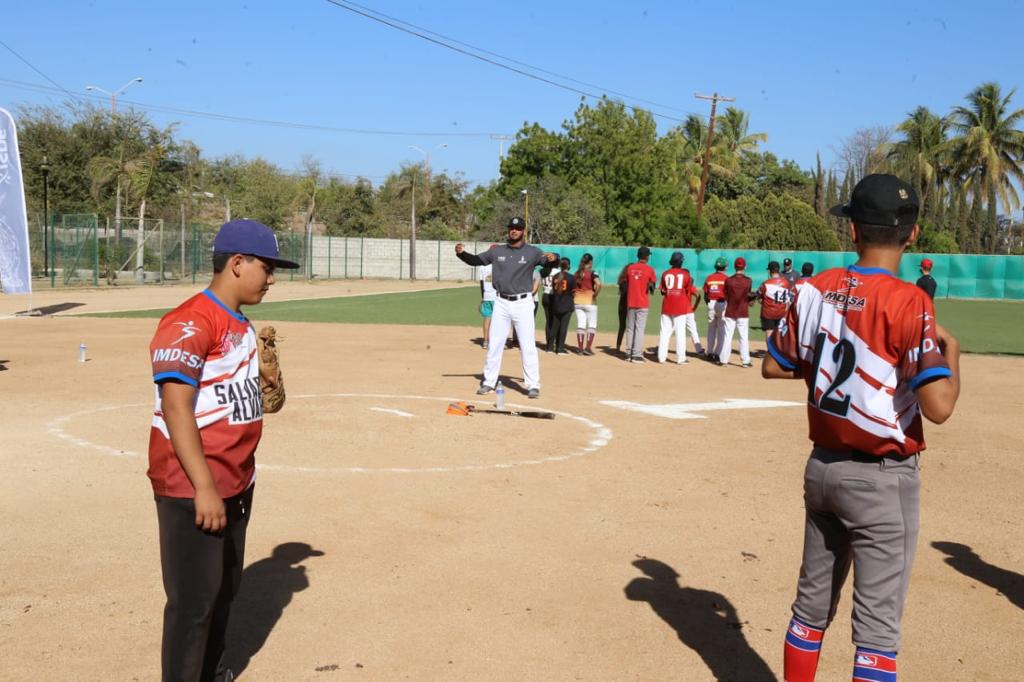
(964, 559)
(267, 588)
(705, 621)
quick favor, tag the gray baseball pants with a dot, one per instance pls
(636, 323)
(861, 510)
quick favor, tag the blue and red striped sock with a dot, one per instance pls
(800, 657)
(872, 665)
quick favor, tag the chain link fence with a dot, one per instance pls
(83, 252)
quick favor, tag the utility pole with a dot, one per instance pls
(715, 99)
(502, 139)
(412, 231)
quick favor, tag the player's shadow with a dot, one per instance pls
(705, 621)
(3, 365)
(267, 588)
(964, 559)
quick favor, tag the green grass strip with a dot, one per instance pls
(981, 326)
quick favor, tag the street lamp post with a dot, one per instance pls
(526, 215)
(412, 232)
(113, 120)
(115, 93)
(45, 168)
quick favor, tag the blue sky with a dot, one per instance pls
(809, 73)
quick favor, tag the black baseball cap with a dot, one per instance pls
(517, 223)
(251, 238)
(676, 259)
(807, 269)
(787, 262)
(881, 199)
(643, 252)
(773, 266)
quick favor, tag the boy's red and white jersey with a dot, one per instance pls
(714, 286)
(799, 284)
(775, 295)
(212, 348)
(864, 341)
(677, 289)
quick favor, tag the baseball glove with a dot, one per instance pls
(271, 381)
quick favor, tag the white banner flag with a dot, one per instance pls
(15, 266)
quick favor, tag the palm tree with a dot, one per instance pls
(923, 153)
(735, 139)
(136, 175)
(688, 145)
(989, 150)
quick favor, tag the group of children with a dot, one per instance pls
(867, 345)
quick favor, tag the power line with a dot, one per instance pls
(515, 61)
(33, 67)
(492, 62)
(243, 119)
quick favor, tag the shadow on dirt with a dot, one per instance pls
(705, 621)
(267, 588)
(964, 559)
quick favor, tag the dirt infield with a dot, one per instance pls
(604, 545)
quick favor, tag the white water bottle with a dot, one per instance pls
(499, 392)
(81, 352)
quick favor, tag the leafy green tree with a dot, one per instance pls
(775, 222)
(265, 194)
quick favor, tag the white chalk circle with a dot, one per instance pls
(599, 437)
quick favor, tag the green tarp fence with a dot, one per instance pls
(957, 275)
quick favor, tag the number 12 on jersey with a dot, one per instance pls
(838, 361)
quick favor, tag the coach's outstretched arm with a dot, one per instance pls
(938, 397)
(468, 258)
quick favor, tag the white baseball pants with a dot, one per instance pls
(586, 317)
(730, 325)
(673, 324)
(690, 319)
(716, 313)
(508, 314)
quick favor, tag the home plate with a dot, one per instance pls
(689, 410)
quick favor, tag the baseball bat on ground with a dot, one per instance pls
(532, 414)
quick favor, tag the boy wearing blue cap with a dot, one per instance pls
(206, 425)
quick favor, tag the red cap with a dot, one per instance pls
(927, 263)
(740, 263)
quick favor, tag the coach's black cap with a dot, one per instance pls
(517, 223)
(786, 262)
(881, 199)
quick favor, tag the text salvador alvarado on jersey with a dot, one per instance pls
(243, 396)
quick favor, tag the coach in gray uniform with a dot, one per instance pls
(512, 269)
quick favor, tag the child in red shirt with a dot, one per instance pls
(206, 425)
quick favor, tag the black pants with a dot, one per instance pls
(548, 302)
(622, 320)
(562, 321)
(202, 572)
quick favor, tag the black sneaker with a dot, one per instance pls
(484, 389)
